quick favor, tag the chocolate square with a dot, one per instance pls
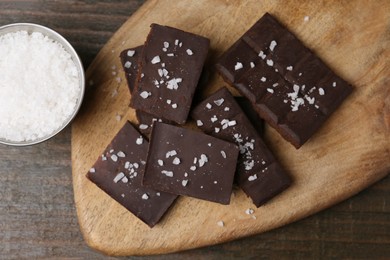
(170, 67)
(291, 88)
(258, 173)
(190, 163)
(119, 173)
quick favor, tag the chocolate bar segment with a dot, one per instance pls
(186, 162)
(129, 59)
(291, 88)
(170, 67)
(258, 173)
(119, 172)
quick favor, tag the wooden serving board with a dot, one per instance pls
(349, 153)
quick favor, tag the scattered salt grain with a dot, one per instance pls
(176, 161)
(156, 60)
(199, 123)
(119, 176)
(167, 173)
(306, 18)
(263, 79)
(139, 140)
(220, 223)
(272, 45)
(270, 90)
(39, 85)
(290, 68)
(189, 52)
(130, 53)
(270, 62)
(321, 91)
(238, 66)
(252, 177)
(223, 153)
(160, 162)
(127, 64)
(249, 211)
(184, 183)
(145, 94)
(145, 196)
(143, 126)
(92, 170)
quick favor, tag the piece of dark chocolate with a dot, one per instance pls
(119, 172)
(129, 59)
(291, 88)
(170, 67)
(258, 173)
(251, 114)
(190, 163)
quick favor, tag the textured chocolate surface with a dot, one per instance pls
(186, 162)
(258, 173)
(251, 113)
(291, 88)
(170, 67)
(119, 172)
(129, 59)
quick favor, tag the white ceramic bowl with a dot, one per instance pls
(29, 27)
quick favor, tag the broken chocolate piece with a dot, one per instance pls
(119, 172)
(258, 173)
(129, 60)
(170, 67)
(186, 162)
(291, 88)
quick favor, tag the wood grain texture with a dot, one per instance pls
(349, 153)
(37, 213)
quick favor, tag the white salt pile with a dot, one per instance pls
(39, 86)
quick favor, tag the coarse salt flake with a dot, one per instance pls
(160, 162)
(127, 64)
(118, 177)
(220, 223)
(321, 91)
(139, 140)
(184, 183)
(156, 59)
(270, 90)
(92, 170)
(199, 123)
(114, 157)
(143, 126)
(145, 94)
(290, 68)
(145, 196)
(238, 66)
(270, 62)
(189, 52)
(130, 53)
(272, 45)
(176, 161)
(170, 153)
(263, 79)
(121, 154)
(223, 153)
(167, 173)
(252, 177)
(219, 102)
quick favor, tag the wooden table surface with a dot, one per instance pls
(37, 213)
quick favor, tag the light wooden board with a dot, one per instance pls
(349, 153)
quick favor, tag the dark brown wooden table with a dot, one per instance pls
(37, 213)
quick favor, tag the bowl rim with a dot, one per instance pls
(53, 35)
